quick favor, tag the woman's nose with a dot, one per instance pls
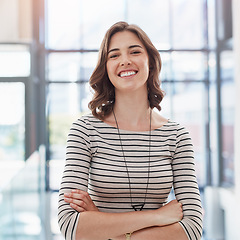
(125, 61)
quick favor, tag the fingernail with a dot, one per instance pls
(75, 190)
(67, 194)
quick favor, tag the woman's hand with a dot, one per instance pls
(170, 213)
(80, 201)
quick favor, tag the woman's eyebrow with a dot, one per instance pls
(131, 46)
(114, 49)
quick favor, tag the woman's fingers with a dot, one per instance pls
(77, 202)
(81, 199)
(176, 209)
(79, 194)
(77, 208)
(170, 213)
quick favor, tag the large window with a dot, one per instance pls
(227, 105)
(14, 72)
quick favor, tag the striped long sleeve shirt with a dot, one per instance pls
(95, 163)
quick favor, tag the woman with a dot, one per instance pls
(123, 159)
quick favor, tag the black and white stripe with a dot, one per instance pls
(95, 163)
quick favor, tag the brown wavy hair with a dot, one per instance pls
(104, 91)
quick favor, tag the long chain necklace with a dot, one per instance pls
(136, 206)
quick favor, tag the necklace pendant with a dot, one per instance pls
(138, 207)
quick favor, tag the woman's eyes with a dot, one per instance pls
(135, 52)
(115, 55)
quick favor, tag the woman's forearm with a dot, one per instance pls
(169, 232)
(98, 225)
(93, 224)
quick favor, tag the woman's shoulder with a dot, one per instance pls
(88, 120)
(177, 126)
(167, 124)
(160, 122)
(84, 119)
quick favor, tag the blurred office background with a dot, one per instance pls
(48, 49)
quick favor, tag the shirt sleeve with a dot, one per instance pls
(75, 175)
(185, 185)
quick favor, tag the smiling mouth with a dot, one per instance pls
(127, 74)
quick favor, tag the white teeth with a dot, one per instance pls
(126, 74)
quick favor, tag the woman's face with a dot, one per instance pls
(127, 62)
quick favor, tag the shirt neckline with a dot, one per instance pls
(133, 131)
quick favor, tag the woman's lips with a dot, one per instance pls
(127, 73)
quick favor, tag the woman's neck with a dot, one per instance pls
(132, 111)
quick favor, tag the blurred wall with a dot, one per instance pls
(15, 20)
